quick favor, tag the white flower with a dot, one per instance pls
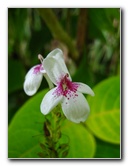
(69, 94)
(34, 77)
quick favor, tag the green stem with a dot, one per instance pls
(49, 81)
(53, 146)
(57, 31)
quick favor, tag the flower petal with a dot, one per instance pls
(76, 108)
(55, 53)
(83, 88)
(32, 80)
(50, 101)
(55, 66)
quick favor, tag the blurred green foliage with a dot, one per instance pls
(92, 57)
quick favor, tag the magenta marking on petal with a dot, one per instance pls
(66, 88)
(37, 69)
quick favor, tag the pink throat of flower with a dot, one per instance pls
(37, 69)
(66, 88)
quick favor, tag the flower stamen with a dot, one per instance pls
(66, 88)
(40, 57)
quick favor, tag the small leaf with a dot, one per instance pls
(62, 146)
(64, 154)
(42, 146)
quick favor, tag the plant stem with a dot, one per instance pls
(53, 145)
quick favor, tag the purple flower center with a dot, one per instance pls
(66, 88)
(37, 69)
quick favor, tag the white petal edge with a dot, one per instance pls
(55, 68)
(83, 88)
(50, 101)
(76, 109)
(55, 53)
(32, 82)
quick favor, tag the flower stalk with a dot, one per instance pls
(52, 145)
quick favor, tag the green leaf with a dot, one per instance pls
(26, 133)
(104, 119)
(25, 129)
(29, 115)
(23, 143)
(82, 143)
